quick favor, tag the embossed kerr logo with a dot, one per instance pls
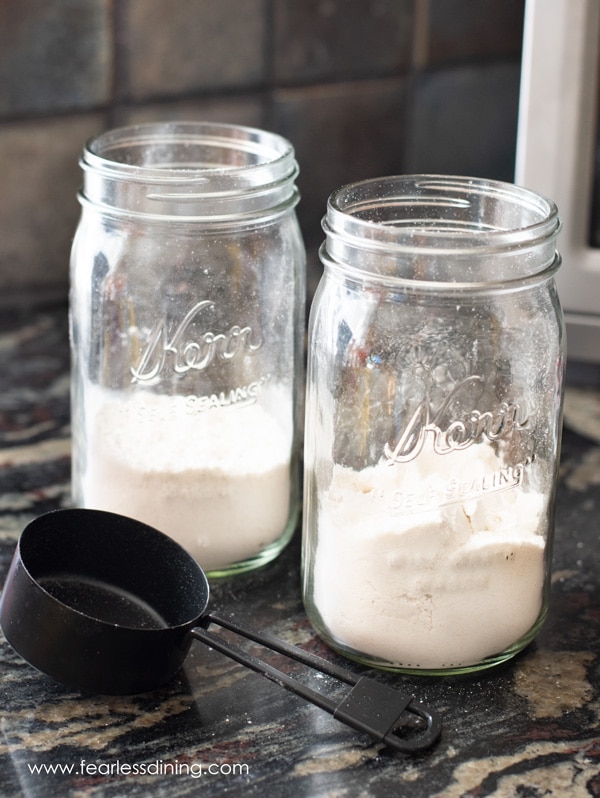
(449, 436)
(188, 349)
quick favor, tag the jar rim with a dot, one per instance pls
(190, 169)
(385, 226)
(373, 194)
(99, 152)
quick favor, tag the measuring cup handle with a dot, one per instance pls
(371, 707)
(382, 711)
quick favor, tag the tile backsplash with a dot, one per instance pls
(361, 87)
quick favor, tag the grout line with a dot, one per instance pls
(420, 48)
(120, 64)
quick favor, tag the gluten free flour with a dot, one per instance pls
(429, 567)
(217, 481)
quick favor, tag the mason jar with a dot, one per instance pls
(433, 422)
(186, 308)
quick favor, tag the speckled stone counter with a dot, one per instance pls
(529, 728)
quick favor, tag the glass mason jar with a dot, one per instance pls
(187, 319)
(433, 422)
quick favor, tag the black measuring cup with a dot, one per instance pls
(108, 605)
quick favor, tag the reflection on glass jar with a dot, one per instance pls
(433, 418)
(187, 294)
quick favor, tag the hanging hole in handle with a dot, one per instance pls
(389, 716)
(416, 729)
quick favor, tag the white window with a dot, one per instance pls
(556, 148)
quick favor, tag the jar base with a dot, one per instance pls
(264, 557)
(461, 670)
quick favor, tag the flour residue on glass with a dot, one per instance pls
(217, 481)
(406, 577)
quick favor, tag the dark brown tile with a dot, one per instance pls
(467, 29)
(184, 46)
(464, 121)
(341, 133)
(325, 39)
(39, 162)
(55, 55)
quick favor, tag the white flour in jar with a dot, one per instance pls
(217, 481)
(442, 587)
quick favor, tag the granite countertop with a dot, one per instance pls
(528, 728)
